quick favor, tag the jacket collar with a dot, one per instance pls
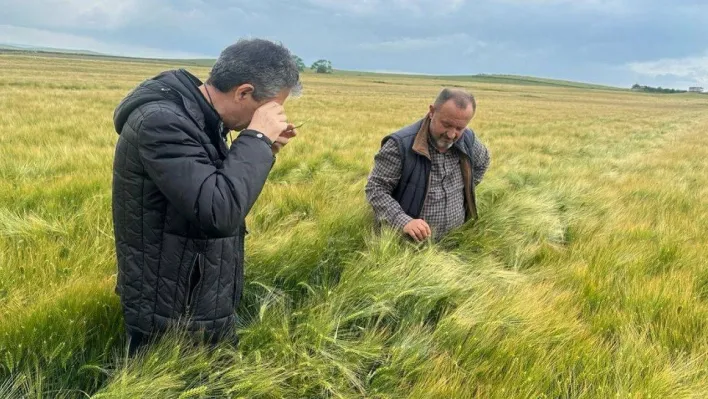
(420, 144)
(198, 107)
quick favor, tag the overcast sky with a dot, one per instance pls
(615, 42)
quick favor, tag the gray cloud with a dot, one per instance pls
(365, 7)
(605, 6)
(413, 44)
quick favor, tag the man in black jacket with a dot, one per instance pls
(180, 195)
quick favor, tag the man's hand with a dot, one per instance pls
(284, 138)
(270, 120)
(418, 229)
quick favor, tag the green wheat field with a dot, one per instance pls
(585, 277)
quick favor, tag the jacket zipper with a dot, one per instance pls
(238, 278)
(197, 264)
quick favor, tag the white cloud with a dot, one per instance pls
(419, 7)
(694, 69)
(46, 38)
(409, 44)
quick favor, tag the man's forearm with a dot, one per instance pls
(482, 159)
(387, 209)
(382, 181)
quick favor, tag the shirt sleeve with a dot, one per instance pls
(481, 159)
(382, 181)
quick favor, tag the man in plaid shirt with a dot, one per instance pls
(424, 176)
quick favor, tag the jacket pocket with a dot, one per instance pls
(194, 282)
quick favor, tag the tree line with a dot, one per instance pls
(319, 66)
(659, 89)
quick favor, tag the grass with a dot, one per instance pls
(586, 276)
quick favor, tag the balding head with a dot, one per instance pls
(461, 98)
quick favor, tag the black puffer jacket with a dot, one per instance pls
(180, 197)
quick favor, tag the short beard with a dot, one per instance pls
(439, 144)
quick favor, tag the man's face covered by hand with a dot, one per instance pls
(240, 110)
(448, 122)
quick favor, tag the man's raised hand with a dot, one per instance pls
(270, 119)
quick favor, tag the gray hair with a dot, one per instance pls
(462, 98)
(268, 66)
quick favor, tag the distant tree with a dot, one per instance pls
(322, 66)
(300, 63)
(649, 89)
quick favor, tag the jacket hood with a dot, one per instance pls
(172, 86)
